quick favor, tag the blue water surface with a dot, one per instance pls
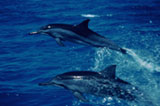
(28, 60)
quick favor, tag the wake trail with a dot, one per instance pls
(148, 65)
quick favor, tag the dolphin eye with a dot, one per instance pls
(49, 26)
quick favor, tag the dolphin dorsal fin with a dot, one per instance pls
(83, 24)
(109, 72)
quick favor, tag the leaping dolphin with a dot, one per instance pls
(103, 83)
(80, 34)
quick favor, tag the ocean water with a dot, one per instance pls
(28, 60)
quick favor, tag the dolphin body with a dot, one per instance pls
(80, 34)
(103, 83)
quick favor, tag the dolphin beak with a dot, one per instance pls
(33, 33)
(36, 32)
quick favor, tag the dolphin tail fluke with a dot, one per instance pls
(44, 84)
(123, 51)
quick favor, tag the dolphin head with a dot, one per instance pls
(42, 30)
(47, 29)
(66, 80)
(56, 81)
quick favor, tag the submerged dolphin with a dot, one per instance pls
(103, 83)
(78, 34)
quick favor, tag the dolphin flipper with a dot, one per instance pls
(59, 42)
(80, 96)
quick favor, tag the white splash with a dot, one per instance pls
(148, 65)
(99, 58)
(89, 15)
